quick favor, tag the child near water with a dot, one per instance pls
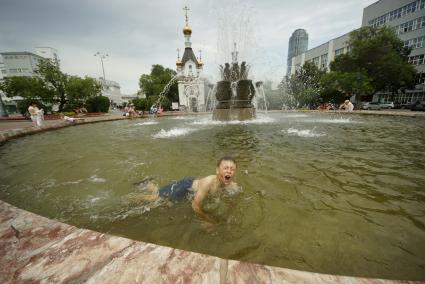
(200, 187)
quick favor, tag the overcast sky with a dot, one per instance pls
(137, 33)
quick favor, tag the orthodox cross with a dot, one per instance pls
(186, 9)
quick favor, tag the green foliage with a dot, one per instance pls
(78, 90)
(98, 104)
(141, 104)
(337, 85)
(146, 103)
(154, 83)
(378, 58)
(51, 86)
(54, 79)
(30, 88)
(304, 86)
(152, 100)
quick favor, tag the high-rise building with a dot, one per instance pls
(298, 44)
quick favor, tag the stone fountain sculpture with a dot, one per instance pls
(234, 93)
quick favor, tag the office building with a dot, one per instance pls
(298, 44)
(406, 17)
(20, 63)
(48, 52)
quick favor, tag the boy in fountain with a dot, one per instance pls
(202, 187)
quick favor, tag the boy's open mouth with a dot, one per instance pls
(227, 177)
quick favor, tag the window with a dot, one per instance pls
(339, 51)
(417, 59)
(323, 61)
(315, 61)
(415, 42)
(398, 13)
(412, 25)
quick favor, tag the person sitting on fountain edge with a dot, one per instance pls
(201, 187)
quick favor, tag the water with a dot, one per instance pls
(320, 192)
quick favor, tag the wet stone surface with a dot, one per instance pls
(34, 249)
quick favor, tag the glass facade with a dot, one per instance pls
(298, 44)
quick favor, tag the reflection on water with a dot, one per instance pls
(238, 141)
(324, 193)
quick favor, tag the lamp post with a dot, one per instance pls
(102, 56)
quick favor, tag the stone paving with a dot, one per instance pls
(34, 249)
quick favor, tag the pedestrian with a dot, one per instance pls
(33, 111)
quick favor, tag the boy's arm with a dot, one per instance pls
(201, 193)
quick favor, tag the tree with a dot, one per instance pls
(30, 89)
(377, 57)
(78, 90)
(337, 85)
(26, 87)
(54, 79)
(98, 104)
(154, 83)
(304, 86)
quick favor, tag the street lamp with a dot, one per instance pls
(102, 56)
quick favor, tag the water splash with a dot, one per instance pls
(331, 120)
(184, 117)
(94, 178)
(147, 123)
(165, 90)
(308, 133)
(174, 132)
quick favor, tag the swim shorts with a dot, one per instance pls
(177, 190)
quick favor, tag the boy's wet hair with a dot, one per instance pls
(225, 158)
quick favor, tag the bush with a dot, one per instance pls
(98, 104)
(141, 104)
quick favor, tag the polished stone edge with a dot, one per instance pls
(35, 249)
(7, 135)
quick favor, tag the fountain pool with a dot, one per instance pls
(320, 192)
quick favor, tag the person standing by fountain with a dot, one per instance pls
(201, 187)
(34, 113)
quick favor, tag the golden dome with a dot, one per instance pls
(187, 30)
(200, 63)
(178, 62)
